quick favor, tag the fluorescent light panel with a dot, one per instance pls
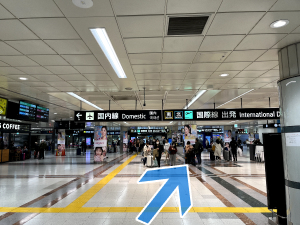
(195, 98)
(83, 100)
(107, 48)
(235, 98)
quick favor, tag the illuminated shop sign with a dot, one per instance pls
(118, 115)
(210, 130)
(10, 126)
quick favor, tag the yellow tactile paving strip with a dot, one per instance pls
(133, 209)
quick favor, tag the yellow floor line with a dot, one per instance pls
(132, 209)
(85, 197)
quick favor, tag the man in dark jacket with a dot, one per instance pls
(83, 146)
(160, 149)
(233, 146)
(198, 150)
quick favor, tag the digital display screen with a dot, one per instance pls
(42, 114)
(88, 141)
(27, 111)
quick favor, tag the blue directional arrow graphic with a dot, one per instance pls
(175, 177)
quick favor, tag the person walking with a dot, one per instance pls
(83, 146)
(173, 151)
(137, 146)
(160, 150)
(218, 150)
(233, 146)
(189, 153)
(198, 150)
(147, 152)
(166, 148)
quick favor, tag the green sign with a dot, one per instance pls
(188, 115)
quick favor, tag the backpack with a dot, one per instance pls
(213, 148)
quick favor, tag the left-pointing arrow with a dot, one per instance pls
(176, 177)
(78, 116)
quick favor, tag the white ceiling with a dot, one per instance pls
(49, 42)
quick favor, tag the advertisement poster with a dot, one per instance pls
(125, 141)
(190, 133)
(100, 143)
(88, 141)
(227, 136)
(61, 141)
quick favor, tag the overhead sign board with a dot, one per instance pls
(222, 114)
(118, 115)
(3, 106)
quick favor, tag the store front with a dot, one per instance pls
(15, 140)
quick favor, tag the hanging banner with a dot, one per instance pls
(227, 136)
(100, 143)
(125, 141)
(190, 134)
(61, 141)
(222, 114)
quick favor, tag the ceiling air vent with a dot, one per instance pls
(187, 25)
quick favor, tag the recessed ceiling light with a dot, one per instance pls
(55, 113)
(279, 23)
(83, 3)
(107, 48)
(224, 75)
(23, 78)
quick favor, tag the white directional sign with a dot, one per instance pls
(78, 115)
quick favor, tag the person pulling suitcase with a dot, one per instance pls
(147, 152)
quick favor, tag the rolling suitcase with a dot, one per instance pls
(149, 161)
(78, 151)
(226, 155)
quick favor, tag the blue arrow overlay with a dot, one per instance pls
(176, 177)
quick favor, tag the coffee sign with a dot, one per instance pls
(10, 126)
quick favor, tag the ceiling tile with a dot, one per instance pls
(211, 87)
(263, 79)
(218, 57)
(178, 44)
(245, 5)
(18, 61)
(262, 65)
(80, 83)
(263, 26)
(7, 50)
(183, 57)
(270, 55)
(90, 69)
(97, 77)
(175, 67)
(31, 47)
(103, 83)
(236, 66)
(244, 56)
(61, 69)
(146, 68)
(217, 81)
(137, 7)
(170, 82)
(198, 75)
(204, 67)
(32, 8)
(143, 45)
(51, 28)
(234, 23)
(14, 30)
(254, 85)
(100, 8)
(35, 84)
(290, 39)
(147, 58)
(286, 5)
(194, 81)
(2, 64)
(66, 89)
(58, 84)
(4, 14)
(144, 76)
(49, 60)
(250, 74)
(149, 88)
(271, 73)
(46, 89)
(78, 60)
(231, 86)
(141, 26)
(271, 85)
(73, 77)
(16, 77)
(192, 6)
(260, 41)
(48, 78)
(68, 46)
(9, 71)
(242, 80)
(218, 73)
(147, 82)
(35, 70)
(172, 76)
(224, 42)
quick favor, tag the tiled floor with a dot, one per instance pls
(57, 184)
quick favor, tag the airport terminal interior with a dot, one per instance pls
(149, 112)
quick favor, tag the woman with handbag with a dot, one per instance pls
(173, 151)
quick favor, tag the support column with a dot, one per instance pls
(289, 87)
